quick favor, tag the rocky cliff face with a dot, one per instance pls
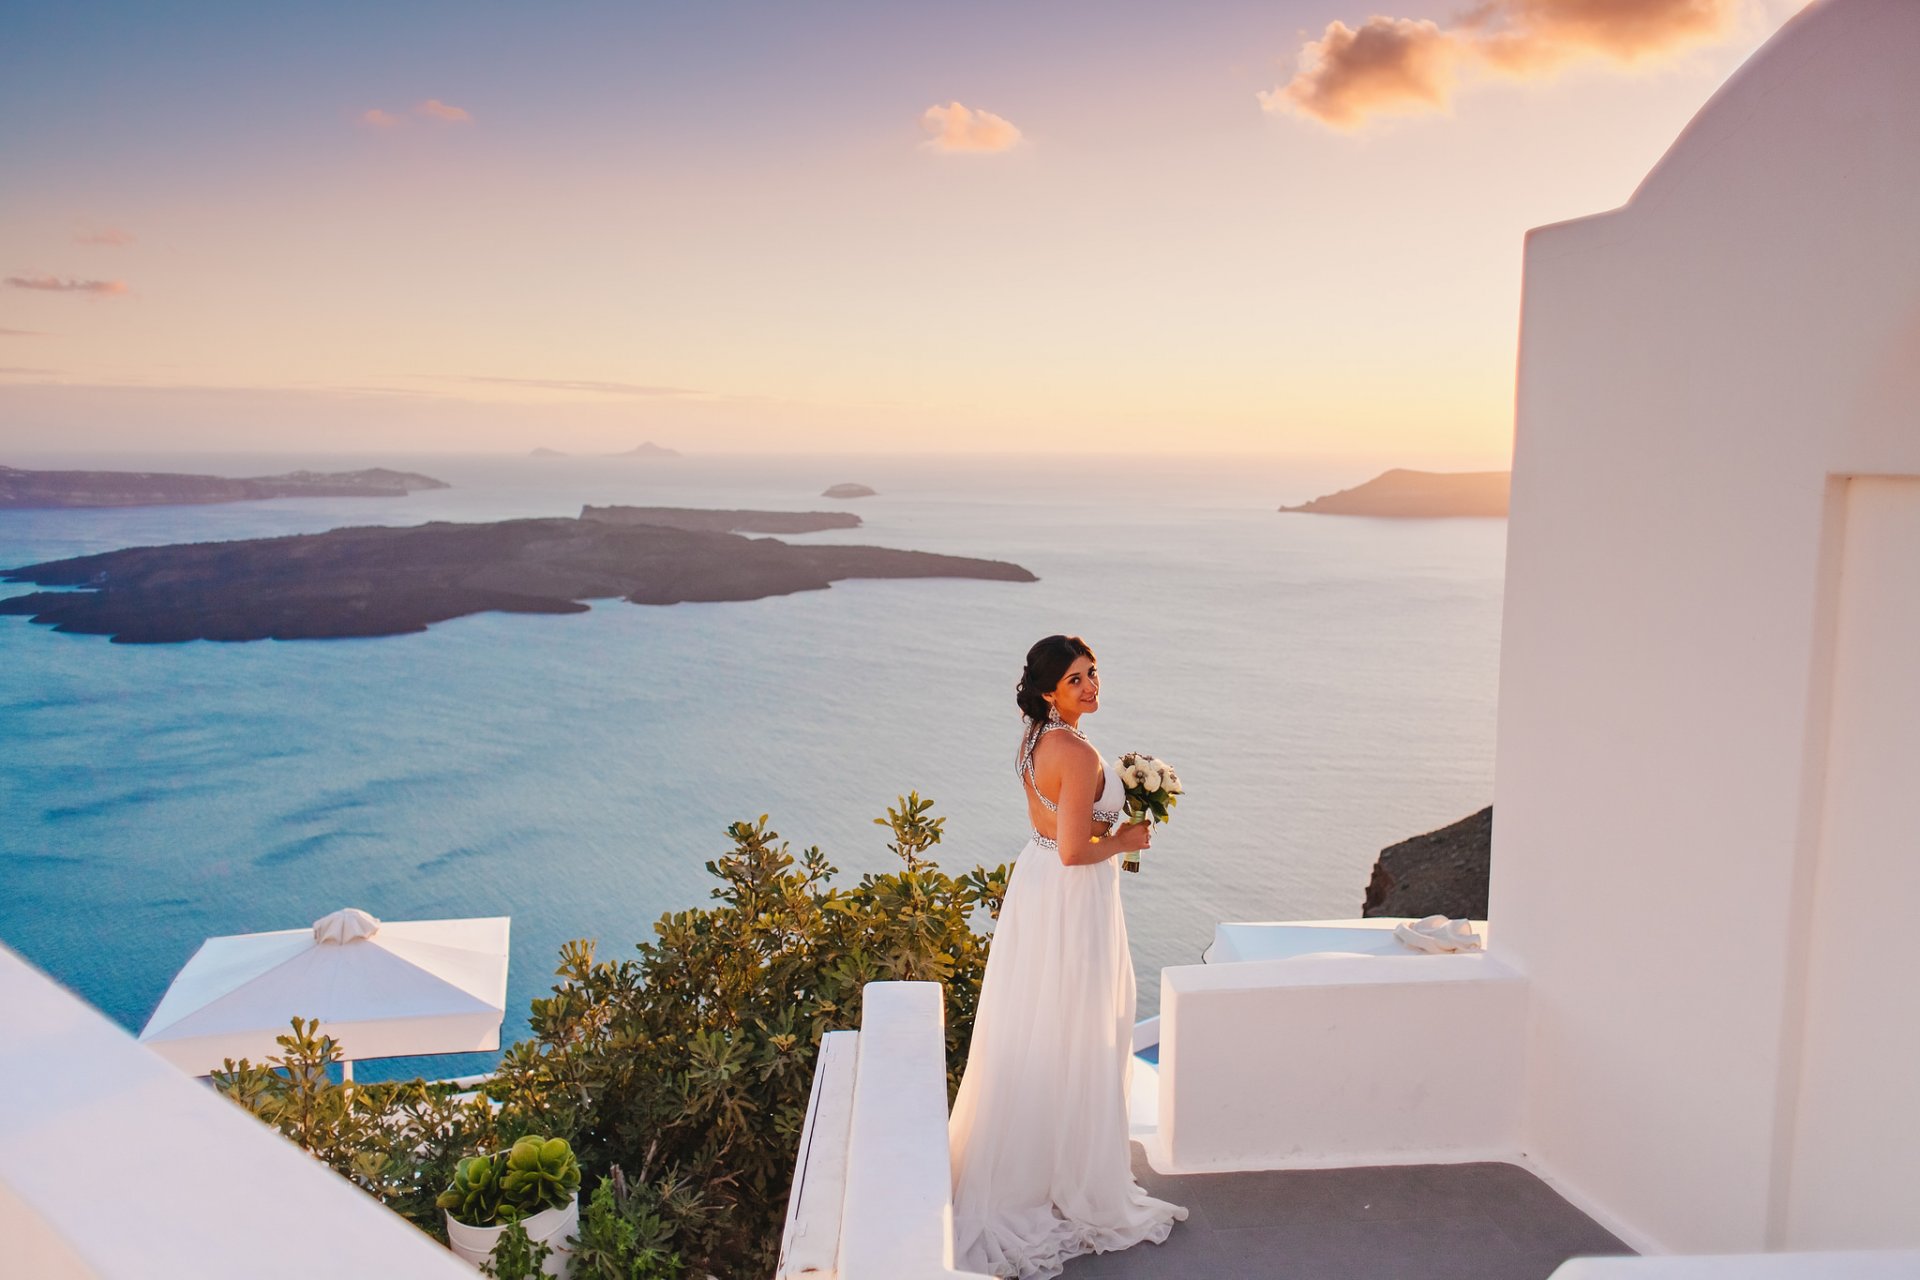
(1443, 872)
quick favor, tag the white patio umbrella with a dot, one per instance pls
(392, 990)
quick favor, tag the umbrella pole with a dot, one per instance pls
(346, 1071)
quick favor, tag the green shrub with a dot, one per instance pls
(516, 1255)
(690, 1065)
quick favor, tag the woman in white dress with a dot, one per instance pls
(1041, 1169)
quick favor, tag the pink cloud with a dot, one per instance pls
(442, 111)
(1399, 65)
(375, 118)
(109, 237)
(21, 333)
(958, 128)
(56, 284)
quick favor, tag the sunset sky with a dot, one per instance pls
(1217, 226)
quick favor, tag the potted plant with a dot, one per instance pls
(535, 1183)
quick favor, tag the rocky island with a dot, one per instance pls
(847, 491)
(390, 581)
(544, 452)
(1443, 872)
(702, 519)
(649, 449)
(1418, 495)
(46, 489)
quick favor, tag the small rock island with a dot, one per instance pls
(847, 491)
(1418, 495)
(648, 449)
(380, 581)
(68, 489)
(544, 452)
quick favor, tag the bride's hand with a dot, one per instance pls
(1131, 837)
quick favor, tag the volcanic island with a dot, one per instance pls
(381, 581)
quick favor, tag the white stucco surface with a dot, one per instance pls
(1853, 1165)
(1710, 907)
(810, 1241)
(897, 1218)
(1321, 1060)
(1234, 941)
(114, 1166)
(1848, 1265)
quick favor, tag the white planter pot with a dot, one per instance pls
(554, 1226)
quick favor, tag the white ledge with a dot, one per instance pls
(114, 1166)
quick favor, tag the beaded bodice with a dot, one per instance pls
(1110, 782)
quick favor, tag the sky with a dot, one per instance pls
(1292, 227)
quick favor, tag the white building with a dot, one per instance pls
(1699, 1017)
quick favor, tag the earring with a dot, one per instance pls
(1053, 714)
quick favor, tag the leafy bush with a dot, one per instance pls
(691, 1064)
(516, 1255)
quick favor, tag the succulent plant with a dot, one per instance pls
(475, 1195)
(541, 1173)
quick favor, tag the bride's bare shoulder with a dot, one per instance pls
(1063, 748)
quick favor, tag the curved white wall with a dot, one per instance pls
(1700, 372)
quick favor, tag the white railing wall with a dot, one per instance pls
(116, 1166)
(1332, 1060)
(888, 1161)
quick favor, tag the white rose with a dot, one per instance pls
(1150, 778)
(1130, 775)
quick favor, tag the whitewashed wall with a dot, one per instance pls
(1701, 372)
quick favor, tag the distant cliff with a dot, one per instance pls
(46, 489)
(1443, 872)
(1418, 495)
(383, 582)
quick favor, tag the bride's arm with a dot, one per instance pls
(1079, 766)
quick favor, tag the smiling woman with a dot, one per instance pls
(1041, 1167)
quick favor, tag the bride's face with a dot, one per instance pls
(1078, 692)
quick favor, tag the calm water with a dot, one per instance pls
(1325, 685)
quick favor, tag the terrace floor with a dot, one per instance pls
(1430, 1221)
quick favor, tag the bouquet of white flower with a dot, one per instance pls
(1153, 788)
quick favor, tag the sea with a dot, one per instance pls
(1325, 685)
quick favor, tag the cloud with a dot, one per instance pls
(442, 111)
(55, 284)
(1388, 65)
(21, 333)
(1400, 66)
(375, 118)
(573, 384)
(958, 128)
(110, 237)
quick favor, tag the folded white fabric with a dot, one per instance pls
(1438, 934)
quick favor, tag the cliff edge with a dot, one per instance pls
(1443, 872)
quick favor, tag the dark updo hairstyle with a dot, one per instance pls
(1047, 664)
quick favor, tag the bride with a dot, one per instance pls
(1041, 1171)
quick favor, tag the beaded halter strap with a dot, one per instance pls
(1028, 746)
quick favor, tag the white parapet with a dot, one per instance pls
(886, 1162)
(1890, 1264)
(810, 1245)
(114, 1166)
(1327, 1060)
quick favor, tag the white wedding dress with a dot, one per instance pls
(1041, 1169)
